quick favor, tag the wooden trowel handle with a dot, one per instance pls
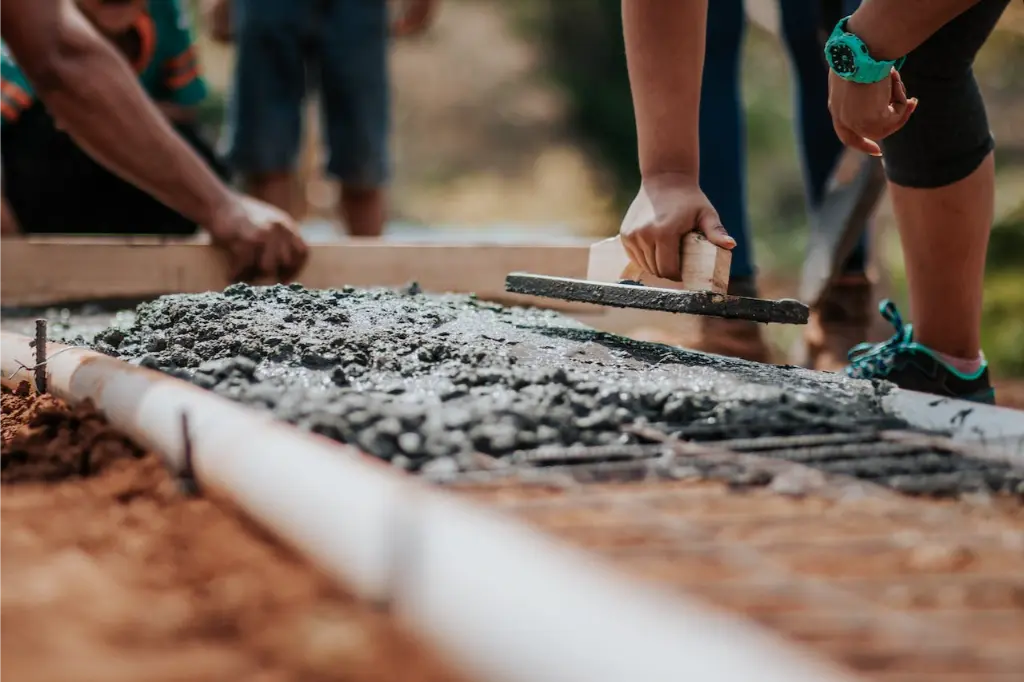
(705, 267)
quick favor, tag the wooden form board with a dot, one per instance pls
(43, 271)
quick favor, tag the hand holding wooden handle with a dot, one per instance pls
(705, 267)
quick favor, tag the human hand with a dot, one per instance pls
(864, 114)
(414, 18)
(217, 17)
(259, 240)
(667, 208)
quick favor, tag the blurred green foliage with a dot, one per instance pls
(1002, 331)
(584, 54)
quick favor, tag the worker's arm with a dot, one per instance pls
(863, 114)
(893, 28)
(665, 56)
(92, 93)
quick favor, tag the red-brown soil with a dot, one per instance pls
(117, 575)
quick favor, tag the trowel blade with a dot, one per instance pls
(784, 311)
(839, 222)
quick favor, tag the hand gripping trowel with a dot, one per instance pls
(613, 280)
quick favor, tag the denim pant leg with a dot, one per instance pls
(265, 107)
(722, 146)
(820, 148)
(354, 86)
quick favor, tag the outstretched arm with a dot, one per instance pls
(665, 55)
(91, 92)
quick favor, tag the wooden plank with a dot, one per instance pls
(41, 271)
(88, 268)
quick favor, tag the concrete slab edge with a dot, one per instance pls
(503, 601)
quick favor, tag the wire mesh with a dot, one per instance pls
(806, 535)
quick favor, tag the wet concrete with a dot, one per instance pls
(404, 374)
(425, 381)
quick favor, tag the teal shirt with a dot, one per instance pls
(167, 66)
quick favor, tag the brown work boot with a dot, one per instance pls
(838, 323)
(734, 338)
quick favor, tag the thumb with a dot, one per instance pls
(711, 226)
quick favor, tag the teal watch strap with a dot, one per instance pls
(848, 57)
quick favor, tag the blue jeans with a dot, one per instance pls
(722, 139)
(287, 48)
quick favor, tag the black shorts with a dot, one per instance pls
(948, 136)
(54, 187)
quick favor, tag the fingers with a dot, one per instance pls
(667, 256)
(242, 261)
(271, 254)
(294, 254)
(899, 90)
(646, 254)
(864, 114)
(711, 226)
(299, 254)
(855, 141)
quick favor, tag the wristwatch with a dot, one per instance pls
(848, 57)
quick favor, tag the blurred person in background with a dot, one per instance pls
(289, 48)
(51, 184)
(843, 318)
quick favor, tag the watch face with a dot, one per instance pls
(841, 58)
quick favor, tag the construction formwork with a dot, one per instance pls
(813, 535)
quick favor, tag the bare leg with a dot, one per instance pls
(363, 210)
(277, 189)
(945, 238)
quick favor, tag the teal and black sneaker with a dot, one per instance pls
(912, 366)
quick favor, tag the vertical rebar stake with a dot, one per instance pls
(187, 476)
(40, 368)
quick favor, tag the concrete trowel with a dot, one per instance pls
(853, 193)
(613, 280)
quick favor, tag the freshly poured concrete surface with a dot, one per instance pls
(425, 381)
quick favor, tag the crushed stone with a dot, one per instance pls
(430, 376)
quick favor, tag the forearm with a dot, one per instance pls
(94, 96)
(665, 56)
(893, 28)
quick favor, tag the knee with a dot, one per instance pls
(947, 138)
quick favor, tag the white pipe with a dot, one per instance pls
(999, 431)
(505, 602)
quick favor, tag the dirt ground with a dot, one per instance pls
(117, 575)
